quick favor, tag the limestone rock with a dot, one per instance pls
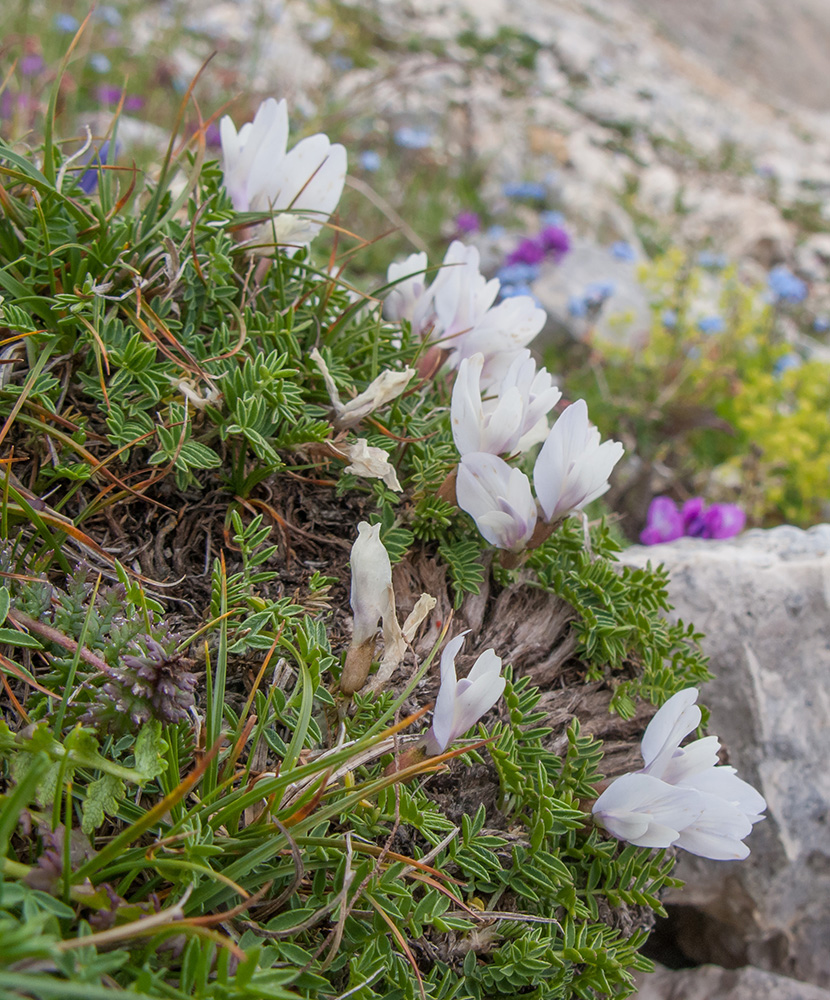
(709, 982)
(763, 602)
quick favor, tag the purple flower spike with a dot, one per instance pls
(467, 222)
(664, 522)
(555, 241)
(529, 251)
(31, 65)
(723, 520)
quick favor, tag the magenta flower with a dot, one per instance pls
(555, 241)
(665, 523)
(529, 251)
(467, 222)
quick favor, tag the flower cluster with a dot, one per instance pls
(457, 310)
(571, 470)
(681, 796)
(298, 189)
(665, 521)
(784, 286)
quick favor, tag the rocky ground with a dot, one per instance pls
(645, 123)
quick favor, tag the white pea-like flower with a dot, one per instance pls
(410, 283)
(498, 498)
(509, 417)
(573, 467)
(681, 795)
(300, 188)
(372, 600)
(461, 703)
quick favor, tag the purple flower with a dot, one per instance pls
(529, 251)
(664, 522)
(723, 520)
(467, 222)
(31, 65)
(89, 178)
(692, 514)
(785, 286)
(555, 241)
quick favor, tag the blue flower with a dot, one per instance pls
(88, 180)
(409, 137)
(510, 291)
(552, 219)
(785, 286)
(109, 15)
(525, 190)
(341, 63)
(66, 23)
(370, 160)
(821, 324)
(518, 273)
(707, 258)
(100, 63)
(786, 363)
(623, 250)
(577, 306)
(598, 291)
(711, 324)
(669, 319)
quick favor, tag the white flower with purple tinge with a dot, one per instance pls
(409, 281)
(681, 795)
(498, 498)
(512, 418)
(300, 188)
(461, 703)
(573, 466)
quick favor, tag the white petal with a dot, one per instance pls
(690, 762)
(371, 589)
(632, 798)
(475, 701)
(444, 711)
(672, 723)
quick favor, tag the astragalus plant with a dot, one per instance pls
(196, 800)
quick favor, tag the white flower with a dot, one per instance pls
(300, 188)
(573, 467)
(499, 335)
(410, 280)
(461, 703)
(682, 796)
(386, 387)
(370, 462)
(645, 811)
(505, 421)
(372, 600)
(498, 498)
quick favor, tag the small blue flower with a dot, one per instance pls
(496, 232)
(785, 286)
(623, 250)
(598, 291)
(715, 261)
(577, 306)
(410, 137)
(370, 160)
(669, 319)
(510, 291)
(88, 180)
(711, 324)
(525, 190)
(787, 363)
(821, 324)
(66, 23)
(341, 63)
(549, 218)
(99, 62)
(108, 14)
(518, 273)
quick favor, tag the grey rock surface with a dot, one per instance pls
(710, 982)
(763, 602)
